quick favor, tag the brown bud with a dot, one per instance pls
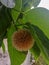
(22, 40)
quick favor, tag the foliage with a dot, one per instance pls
(36, 20)
(16, 56)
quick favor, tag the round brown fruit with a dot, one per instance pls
(22, 40)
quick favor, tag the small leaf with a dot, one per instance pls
(16, 57)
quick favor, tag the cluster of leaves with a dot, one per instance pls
(35, 20)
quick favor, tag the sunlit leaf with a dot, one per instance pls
(39, 17)
(16, 57)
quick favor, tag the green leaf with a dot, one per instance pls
(43, 47)
(35, 51)
(16, 57)
(18, 5)
(5, 21)
(22, 6)
(14, 14)
(39, 17)
(43, 38)
(27, 4)
(16, 10)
